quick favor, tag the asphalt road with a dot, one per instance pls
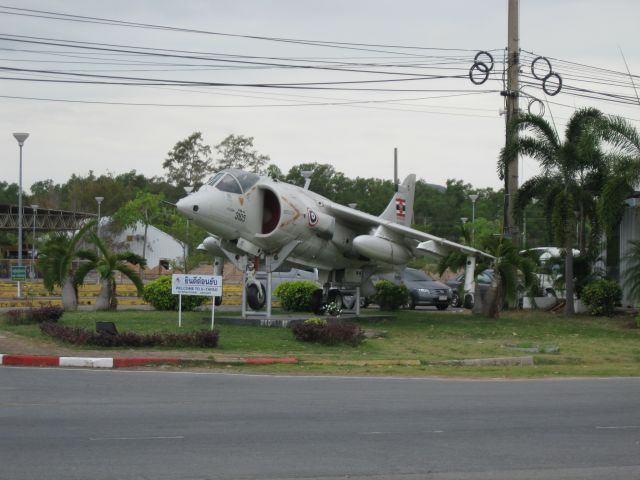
(86, 424)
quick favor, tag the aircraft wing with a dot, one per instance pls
(420, 240)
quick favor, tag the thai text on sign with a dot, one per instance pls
(206, 285)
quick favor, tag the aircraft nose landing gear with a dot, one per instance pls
(256, 296)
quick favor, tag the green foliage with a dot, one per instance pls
(158, 293)
(236, 151)
(332, 309)
(390, 296)
(57, 254)
(80, 336)
(602, 296)
(189, 162)
(296, 296)
(317, 321)
(107, 263)
(146, 208)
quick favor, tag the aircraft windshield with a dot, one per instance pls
(234, 181)
(246, 179)
(229, 184)
(212, 181)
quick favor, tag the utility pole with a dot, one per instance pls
(511, 95)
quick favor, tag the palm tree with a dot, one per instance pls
(574, 173)
(512, 273)
(56, 263)
(625, 176)
(107, 263)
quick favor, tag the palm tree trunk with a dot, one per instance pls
(568, 277)
(144, 249)
(103, 302)
(69, 295)
(113, 300)
(493, 299)
(478, 302)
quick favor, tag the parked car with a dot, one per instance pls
(423, 289)
(483, 280)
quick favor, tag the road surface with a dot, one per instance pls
(88, 424)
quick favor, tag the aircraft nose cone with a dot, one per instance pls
(187, 206)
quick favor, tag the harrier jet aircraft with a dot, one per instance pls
(258, 223)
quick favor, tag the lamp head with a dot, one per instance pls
(21, 137)
(474, 197)
(99, 200)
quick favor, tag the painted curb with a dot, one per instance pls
(82, 362)
(124, 362)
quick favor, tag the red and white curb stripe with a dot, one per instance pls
(84, 362)
(120, 362)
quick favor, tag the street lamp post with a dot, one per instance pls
(33, 242)
(99, 200)
(473, 197)
(20, 137)
(188, 189)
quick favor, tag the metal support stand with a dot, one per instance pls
(469, 280)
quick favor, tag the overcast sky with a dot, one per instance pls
(447, 128)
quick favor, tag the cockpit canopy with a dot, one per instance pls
(233, 181)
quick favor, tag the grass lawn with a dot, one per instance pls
(586, 346)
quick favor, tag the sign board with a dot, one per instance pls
(205, 285)
(18, 272)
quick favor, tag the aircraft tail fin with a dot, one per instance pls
(400, 208)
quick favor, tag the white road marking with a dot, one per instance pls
(177, 437)
(620, 427)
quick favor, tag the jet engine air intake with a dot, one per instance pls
(270, 211)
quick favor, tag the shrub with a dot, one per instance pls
(296, 296)
(320, 322)
(601, 296)
(158, 293)
(34, 315)
(328, 333)
(390, 296)
(81, 336)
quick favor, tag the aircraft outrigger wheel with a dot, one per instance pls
(256, 296)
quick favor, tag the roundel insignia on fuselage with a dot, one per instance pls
(312, 217)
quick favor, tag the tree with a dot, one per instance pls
(189, 162)
(236, 151)
(625, 177)
(46, 194)
(324, 178)
(107, 263)
(574, 171)
(512, 274)
(56, 263)
(9, 193)
(189, 235)
(146, 208)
